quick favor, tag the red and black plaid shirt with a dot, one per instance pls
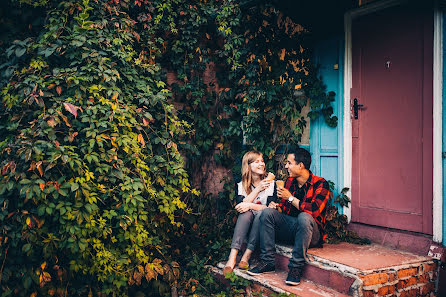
(313, 197)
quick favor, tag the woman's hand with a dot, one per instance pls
(264, 184)
(243, 207)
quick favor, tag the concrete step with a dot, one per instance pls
(273, 283)
(359, 270)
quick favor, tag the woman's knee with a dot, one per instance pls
(245, 217)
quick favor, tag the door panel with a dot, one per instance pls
(392, 137)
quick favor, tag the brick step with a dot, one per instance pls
(360, 270)
(273, 283)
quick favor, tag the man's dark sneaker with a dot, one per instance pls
(261, 268)
(294, 275)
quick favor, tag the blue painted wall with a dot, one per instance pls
(326, 144)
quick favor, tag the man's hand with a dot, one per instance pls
(243, 207)
(273, 204)
(283, 193)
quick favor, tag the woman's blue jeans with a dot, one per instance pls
(246, 222)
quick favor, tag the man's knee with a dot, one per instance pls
(305, 220)
(267, 213)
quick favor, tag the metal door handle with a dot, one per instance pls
(356, 107)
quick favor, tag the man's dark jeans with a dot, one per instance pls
(301, 231)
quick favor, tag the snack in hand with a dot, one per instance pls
(280, 183)
(270, 176)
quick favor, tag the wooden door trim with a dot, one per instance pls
(437, 202)
(437, 185)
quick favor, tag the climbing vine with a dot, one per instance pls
(109, 110)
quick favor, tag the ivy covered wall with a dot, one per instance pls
(113, 114)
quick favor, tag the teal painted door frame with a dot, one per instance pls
(326, 143)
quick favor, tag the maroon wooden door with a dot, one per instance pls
(392, 138)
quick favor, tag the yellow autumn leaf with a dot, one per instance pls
(282, 54)
(28, 221)
(149, 273)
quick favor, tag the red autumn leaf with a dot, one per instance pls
(145, 121)
(51, 122)
(58, 90)
(66, 121)
(33, 166)
(136, 36)
(141, 139)
(39, 167)
(7, 166)
(71, 136)
(72, 108)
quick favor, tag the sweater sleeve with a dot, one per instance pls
(238, 198)
(272, 198)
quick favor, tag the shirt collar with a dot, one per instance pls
(309, 180)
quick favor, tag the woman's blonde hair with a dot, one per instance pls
(248, 158)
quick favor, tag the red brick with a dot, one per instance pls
(424, 278)
(409, 293)
(407, 283)
(386, 290)
(368, 294)
(407, 272)
(374, 279)
(392, 276)
(427, 289)
(429, 267)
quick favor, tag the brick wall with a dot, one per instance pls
(405, 281)
(209, 175)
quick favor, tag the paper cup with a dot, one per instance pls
(270, 176)
(280, 183)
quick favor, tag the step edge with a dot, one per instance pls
(219, 270)
(321, 262)
(285, 251)
(238, 272)
(398, 267)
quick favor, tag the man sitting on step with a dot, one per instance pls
(298, 217)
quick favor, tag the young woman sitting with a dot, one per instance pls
(254, 193)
